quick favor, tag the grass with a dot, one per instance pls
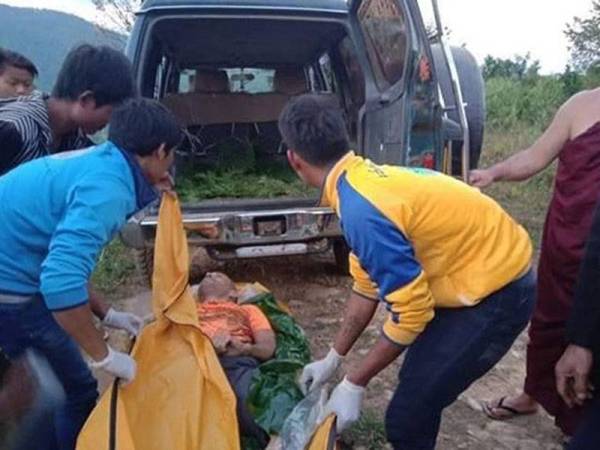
(115, 268)
(367, 433)
(527, 201)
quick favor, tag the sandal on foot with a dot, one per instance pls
(507, 412)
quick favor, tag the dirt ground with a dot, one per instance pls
(316, 292)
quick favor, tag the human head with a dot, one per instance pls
(313, 128)
(216, 287)
(17, 74)
(149, 131)
(94, 80)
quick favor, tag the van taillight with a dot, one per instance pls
(428, 161)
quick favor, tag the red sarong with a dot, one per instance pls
(576, 192)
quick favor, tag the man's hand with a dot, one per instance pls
(166, 184)
(238, 348)
(572, 375)
(316, 374)
(124, 321)
(345, 402)
(220, 341)
(481, 178)
(117, 364)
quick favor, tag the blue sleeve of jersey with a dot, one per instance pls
(383, 250)
(96, 210)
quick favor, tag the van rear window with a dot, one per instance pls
(248, 80)
(251, 81)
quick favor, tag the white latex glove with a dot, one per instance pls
(316, 374)
(345, 402)
(118, 364)
(124, 321)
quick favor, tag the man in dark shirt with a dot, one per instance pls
(578, 370)
(91, 82)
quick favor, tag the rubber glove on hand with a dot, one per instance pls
(316, 374)
(345, 402)
(118, 364)
(123, 321)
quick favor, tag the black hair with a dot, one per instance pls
(9, 58)
(141, 125)
(313, 126)
(102, 70)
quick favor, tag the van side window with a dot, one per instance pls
(384, 26)
(327, 73)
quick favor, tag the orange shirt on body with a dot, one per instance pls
(240, 321)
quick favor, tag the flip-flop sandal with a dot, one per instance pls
(509, 411)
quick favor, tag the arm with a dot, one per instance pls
(264, 344)
(357, 316)
(380, 356)
(404, 288)
(263, 348)
(88, 224)
(528, 162)
(78, 323)
(97, 303)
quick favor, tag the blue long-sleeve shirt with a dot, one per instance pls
(56, 215)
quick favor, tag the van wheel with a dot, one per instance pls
(144, 261)
(473, 90)
(341, 251)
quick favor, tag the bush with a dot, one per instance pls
(532, 100)
(518, 103)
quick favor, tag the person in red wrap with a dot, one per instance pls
(574, 139)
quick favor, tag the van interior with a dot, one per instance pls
(227, 80)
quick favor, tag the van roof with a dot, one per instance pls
(338, 6)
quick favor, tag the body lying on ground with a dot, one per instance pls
(243, 338)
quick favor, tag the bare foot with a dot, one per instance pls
(509, 407)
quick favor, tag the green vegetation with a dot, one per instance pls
(115, 267)
(241, 170)
(201, 185)
(367, 433)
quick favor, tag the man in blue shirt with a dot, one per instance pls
(57, 214)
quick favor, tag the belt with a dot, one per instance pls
(13, 299)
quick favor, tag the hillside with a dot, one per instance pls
(46, 36)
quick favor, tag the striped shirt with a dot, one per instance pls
(25, 132)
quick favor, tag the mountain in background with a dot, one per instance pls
(46, 37)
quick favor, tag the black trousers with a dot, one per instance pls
(587, 436)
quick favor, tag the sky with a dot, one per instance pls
(501, 28)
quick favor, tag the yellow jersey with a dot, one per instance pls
(421, 240)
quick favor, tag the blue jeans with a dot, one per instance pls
(31, 326)
(457, 347)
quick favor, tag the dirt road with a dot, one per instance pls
(315, 293)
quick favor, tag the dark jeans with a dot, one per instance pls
(31, 326)
(587, 436)
(457, 347)
(239, 371)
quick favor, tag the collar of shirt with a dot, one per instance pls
(328, 191)
(145, 193)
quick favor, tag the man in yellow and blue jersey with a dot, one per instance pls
(451, 267)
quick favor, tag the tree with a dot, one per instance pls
(584, 38)
(518, 68)
(117, 14)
